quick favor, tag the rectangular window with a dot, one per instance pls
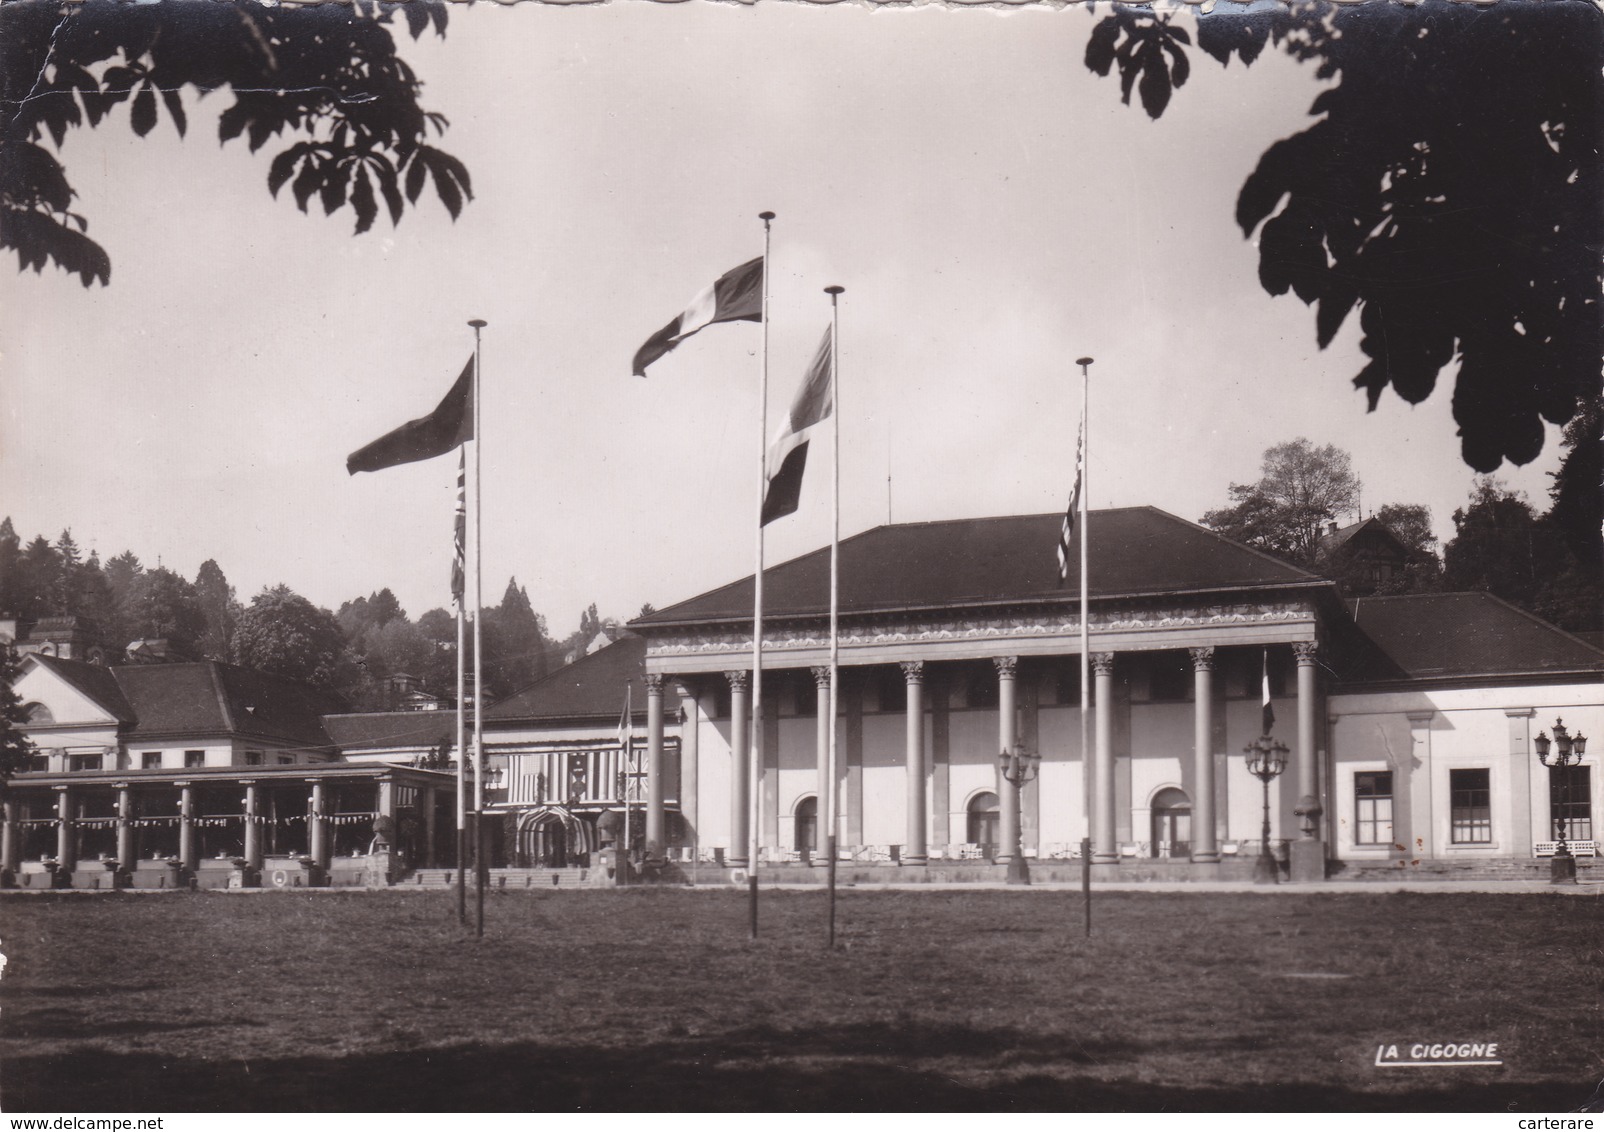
(84, 762)
(893, 688)
(1570, 791)
(40, 763)
(150, 760)
(807, 695)
(286, 760)
(253, 758)
(981, 690)
(1372, 807)
(1169, 677)
(194, 758)
(1471, 807)
(1066, 682)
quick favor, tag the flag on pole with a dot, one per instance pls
(1067, 531)
(460, 532)
(446, 428)
(788, 452)
(1269, 709)
(736, 296)
(624, 730)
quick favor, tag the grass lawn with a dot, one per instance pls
(656, 999)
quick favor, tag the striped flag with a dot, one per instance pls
(460, 530)
(1067, 531)
(735, 296)
(1269, 709)
(788, 452)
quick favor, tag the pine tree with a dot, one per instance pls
(15, 746)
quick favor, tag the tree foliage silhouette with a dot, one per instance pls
(1448, 191)
(327, 75)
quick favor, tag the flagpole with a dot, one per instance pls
(462, 746)
(835, 589)
(755, 769)
(478, 324)
(1085, 652)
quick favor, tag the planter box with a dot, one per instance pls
(96, 875)
(224, 872)
(158, 874)
(291, 872)
(37, 874)
(371, 870)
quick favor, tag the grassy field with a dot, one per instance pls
(650, 1000)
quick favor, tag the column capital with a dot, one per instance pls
(821, 676)
(1202, 658)
(1307, 652)
(1007, 666)
(1103, 663)
(740, 679)
(654, 683)
(913, 671)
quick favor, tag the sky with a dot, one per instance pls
(990, 207)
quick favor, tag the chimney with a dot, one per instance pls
(1332, 529)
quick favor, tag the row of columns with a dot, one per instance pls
(319, 842)
(1205, 842)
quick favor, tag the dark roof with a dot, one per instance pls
(1131, 551)
(391, 729)
(94, 681)
(1374, 530)
(1459, 635)
(590, 688)
(208, 696)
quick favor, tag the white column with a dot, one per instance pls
(914, 852)
(1205, 850)
(1007, 735)
(1104, 851)
(655, 819)
(825, 796)
(740, 772)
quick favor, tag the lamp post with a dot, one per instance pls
(1561, 753)
(1267, 758)
(1018, 766)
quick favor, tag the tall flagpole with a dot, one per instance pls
(755, 770)
(462, 746)
(830, 806)
(1085, 654)
(478, 324)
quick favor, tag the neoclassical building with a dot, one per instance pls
(1409, 720)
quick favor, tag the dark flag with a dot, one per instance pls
(736, 296)
(447, 427)
(788, 453)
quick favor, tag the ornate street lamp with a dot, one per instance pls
(1267, 758)
(1561, 752)
(1018, 767)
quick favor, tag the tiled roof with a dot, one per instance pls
(94, 681)
(590, 688)
(1131, 550)
(391, 729)
(208, 696)
(1459, 635)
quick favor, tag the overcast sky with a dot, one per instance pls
(991, 208)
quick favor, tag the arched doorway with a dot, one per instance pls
(1172, 823)
(807, 825)
(982, 823)
(552, 838)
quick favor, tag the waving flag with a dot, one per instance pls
(736, 296)
(447, 427)
(788, 453)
